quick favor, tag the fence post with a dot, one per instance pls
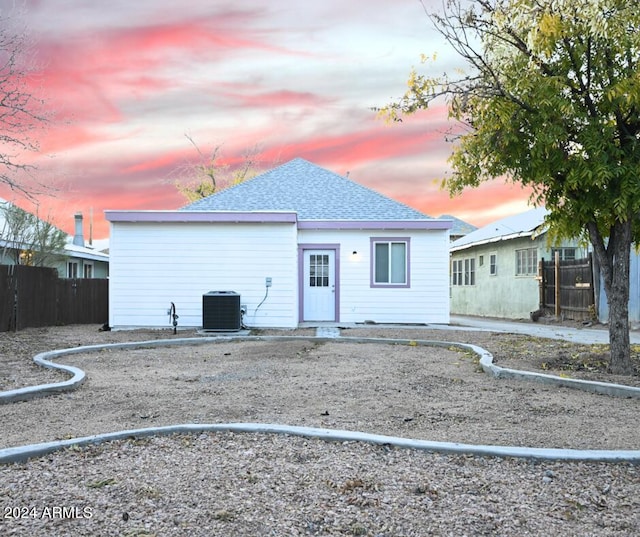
(13, 298)
(594, 282)
(557, 274)
(543, 284)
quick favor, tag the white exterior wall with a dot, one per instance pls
(154, 264)
(426, 301)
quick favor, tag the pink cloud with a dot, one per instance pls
(106, 84)
(374, 141)
(282, 98)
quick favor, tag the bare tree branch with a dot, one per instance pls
(21, 110)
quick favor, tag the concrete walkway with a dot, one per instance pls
(574, 335)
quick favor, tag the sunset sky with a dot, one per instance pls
(126, 81)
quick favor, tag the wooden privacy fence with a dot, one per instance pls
(35, 296)
(574, 296)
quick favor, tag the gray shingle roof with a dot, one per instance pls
(460, 227)
(314, 193)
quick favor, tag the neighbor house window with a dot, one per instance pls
(470, 271)
(565, 254)
(526, 262)
(493, 264)
(72, 269)
(456, 272)
(464, 271)
(390, 262)
(88, 270)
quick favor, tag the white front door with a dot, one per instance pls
(319, 299)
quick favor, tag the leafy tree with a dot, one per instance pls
(20, 108)
(28, 239)
(208, 174)
(550, 99)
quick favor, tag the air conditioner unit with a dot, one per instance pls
(221, 311)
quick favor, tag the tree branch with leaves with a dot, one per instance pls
(208, 174)
(551, 100)
(29, 240)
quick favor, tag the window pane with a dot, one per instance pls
(398, 262)
(382, 263)
(457, 272)
(526, 261)
(532, 260)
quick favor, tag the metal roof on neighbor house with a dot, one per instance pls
(312, 192)
(519, 225)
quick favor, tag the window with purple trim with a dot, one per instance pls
(390, 262)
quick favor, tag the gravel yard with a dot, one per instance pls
(254, 484)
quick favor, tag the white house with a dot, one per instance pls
(298, 244)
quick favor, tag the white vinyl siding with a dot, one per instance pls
(425, 301)
(154, 264)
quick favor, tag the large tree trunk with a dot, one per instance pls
(614, 264)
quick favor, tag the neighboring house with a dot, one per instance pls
(76, 260)
(494, 270)
(459, 229)
(298, 243)
(83, 259)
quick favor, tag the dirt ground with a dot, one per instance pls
(411, 391)
(198, 485)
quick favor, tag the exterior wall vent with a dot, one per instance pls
(221, 311)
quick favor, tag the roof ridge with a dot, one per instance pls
(312, 191)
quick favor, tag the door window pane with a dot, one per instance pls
(319, 270)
